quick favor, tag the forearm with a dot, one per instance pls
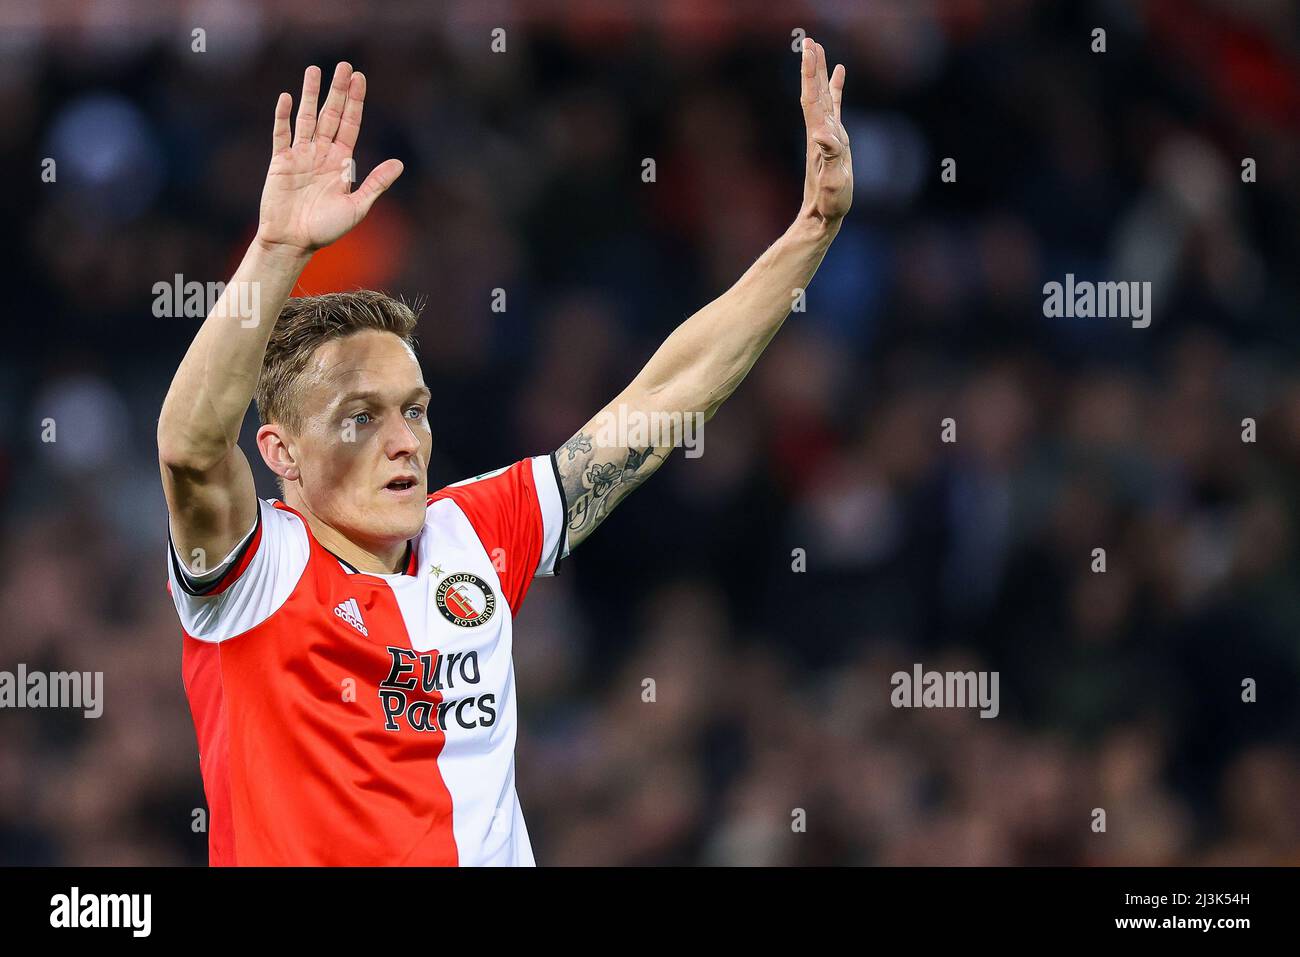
(709, 354)
(705, 358)
(214, 384)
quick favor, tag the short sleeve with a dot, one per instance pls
(519, 515)
(248, 585)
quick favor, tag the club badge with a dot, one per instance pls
(465, 600)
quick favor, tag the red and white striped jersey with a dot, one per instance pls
(349, 718)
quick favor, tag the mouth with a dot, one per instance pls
(402, 485)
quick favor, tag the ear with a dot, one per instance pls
(276, 445)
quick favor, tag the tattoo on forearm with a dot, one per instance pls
(602, 477)
(597, 479)
(636, 459)
(579, 443)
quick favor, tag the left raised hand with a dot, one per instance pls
(828, 182)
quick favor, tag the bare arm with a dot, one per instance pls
(706, 357)
(306, 204)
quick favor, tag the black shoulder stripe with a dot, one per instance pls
(564, 513)
(186, 580)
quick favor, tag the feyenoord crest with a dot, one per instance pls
(466, 600)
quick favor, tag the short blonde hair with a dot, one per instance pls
(305, 323)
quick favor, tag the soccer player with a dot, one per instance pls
(347, 651)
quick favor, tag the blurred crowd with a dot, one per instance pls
(771, 738)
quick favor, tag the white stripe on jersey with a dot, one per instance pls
(270, 578)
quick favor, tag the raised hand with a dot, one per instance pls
(828, 181)
(308, 201)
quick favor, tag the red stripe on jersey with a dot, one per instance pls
(201, 670)
(507, 517)
(299, 764)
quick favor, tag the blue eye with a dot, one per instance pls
(361, 418)
(419, 412)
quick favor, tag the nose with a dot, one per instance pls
(400, 439)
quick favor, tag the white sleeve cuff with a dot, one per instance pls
(550, 499)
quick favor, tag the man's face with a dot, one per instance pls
(363, 449)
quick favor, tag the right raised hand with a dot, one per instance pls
(307, 201)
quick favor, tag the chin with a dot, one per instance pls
(405, 522)
(413, 526)
(396, 522)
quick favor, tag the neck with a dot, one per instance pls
(381, 560)
(390, 560)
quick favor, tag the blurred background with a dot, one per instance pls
(1119, 691)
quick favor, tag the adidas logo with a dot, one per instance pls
(350, 612)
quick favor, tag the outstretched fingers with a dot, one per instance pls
(823, 87)
(306, 125)
(837, 90)
(350, 125)
(819, 95)
(818, 101)
(332, 112)
(809, 95)
(281, 138)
